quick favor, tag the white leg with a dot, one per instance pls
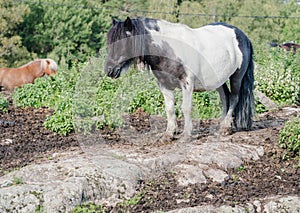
(187, 95)
(170, 110)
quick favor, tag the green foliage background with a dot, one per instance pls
(278, 75)
(3, 103)
(290, 138)
(12, 50)
(69, 31)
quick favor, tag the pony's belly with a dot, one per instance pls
(198, 87)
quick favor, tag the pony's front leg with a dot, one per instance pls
(187, 96)
(170, 111)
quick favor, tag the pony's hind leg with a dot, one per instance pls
(170, 111)
(232, 100)
(224, 96)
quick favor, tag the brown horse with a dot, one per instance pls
(26, 74)
(288, 46)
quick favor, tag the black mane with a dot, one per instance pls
(128, 41)
(118, 31)
(138, 31)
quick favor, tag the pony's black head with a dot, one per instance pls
(124, 42)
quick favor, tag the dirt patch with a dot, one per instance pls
(24, 141)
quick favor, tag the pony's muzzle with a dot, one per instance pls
(113, 72)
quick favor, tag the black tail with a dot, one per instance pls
(245, 108)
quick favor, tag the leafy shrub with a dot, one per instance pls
(35, 95)
(101, 101)
(146, 95)
(62, 119)
(206, 105)
(3, 103)
(290, 137)
(55, 92)
(46, 90)
(278, 75)
(92, 100)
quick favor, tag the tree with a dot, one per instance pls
(290, 31)
(122, 8)
(12, 53)
(167, 10)
(65, 30)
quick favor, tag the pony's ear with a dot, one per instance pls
(128, 25)
(48, 61)
(114, 21)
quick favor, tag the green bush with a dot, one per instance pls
(206, 105)
(290, 137)
(3, 103)
(55, 92)
(278, 75)
(62, 119)
(146, 94)
(93, 98)
(46, 91)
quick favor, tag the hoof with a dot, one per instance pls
(165, 138)
(225, 131)
(185, 139)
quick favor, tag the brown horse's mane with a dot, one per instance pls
(53, 64)
(31, 62)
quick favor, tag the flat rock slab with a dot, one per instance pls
(107, 175)
(60, 186)
(192, 161)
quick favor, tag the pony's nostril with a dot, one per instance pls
(109, 70)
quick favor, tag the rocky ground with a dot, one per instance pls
(25, 142)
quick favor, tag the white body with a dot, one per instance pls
(211, 53)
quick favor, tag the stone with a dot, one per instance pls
(290, 204)
(216, 175)
(189, 174)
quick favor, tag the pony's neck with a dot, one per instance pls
(36, 68)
